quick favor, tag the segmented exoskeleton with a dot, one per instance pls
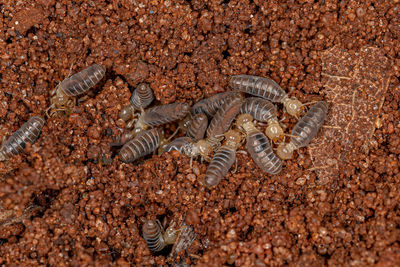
(305, 130)
(268, 89)
(156, 238)
(141, 98)
(224, 118)
(259, 146)
(264, 111)
(77, 84)
(143, 144)
(29, 132)
(223, 159)
(197, 126)
(211, 104)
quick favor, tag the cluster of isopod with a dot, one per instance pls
(232, 121)
(215, 129)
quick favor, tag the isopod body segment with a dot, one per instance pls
(259, 146)
(225, 116)
(143, 144)
(142, 96)
(305, 130)
(82, 81)
(29, 132)
(197, 126)
(163, 114)
(210, 105)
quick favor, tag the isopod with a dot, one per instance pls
(197, 126)
(268, 89)
(211, 104)
(141, 98)
(75, 85)
(224, 118)
(156, 238)
(305, 130)
(223, 159)
(143, 144)
(264, 111)
(259, 146)
(29, 132)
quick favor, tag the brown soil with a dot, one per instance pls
(61, 201)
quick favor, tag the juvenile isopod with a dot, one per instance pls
(264, 111)
(197, 126)
(223, 159)
(141, 98)
(77, 84)
(143, 144)
(29, 132)
(268, 89)
(305, 130)
(259, 146)
(156, 238)
(224, 117)
(210, 105)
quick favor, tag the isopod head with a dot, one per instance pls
(274, 131)
(293, 107)
(285, 151)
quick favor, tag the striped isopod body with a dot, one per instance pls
(155, 237)
(163, 114)
(211, 104)
(224, 118)
(75, 85)
(264, 111)
(142, 96)
(143, 144)
(305, 130)
(223, 159)
(268, 89)
(81, 82)
(197, 126)
(259, 146)
(16, 143)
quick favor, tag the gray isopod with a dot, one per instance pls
(268, 89)
(16, 143)
(197, 126)
(143, 144)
